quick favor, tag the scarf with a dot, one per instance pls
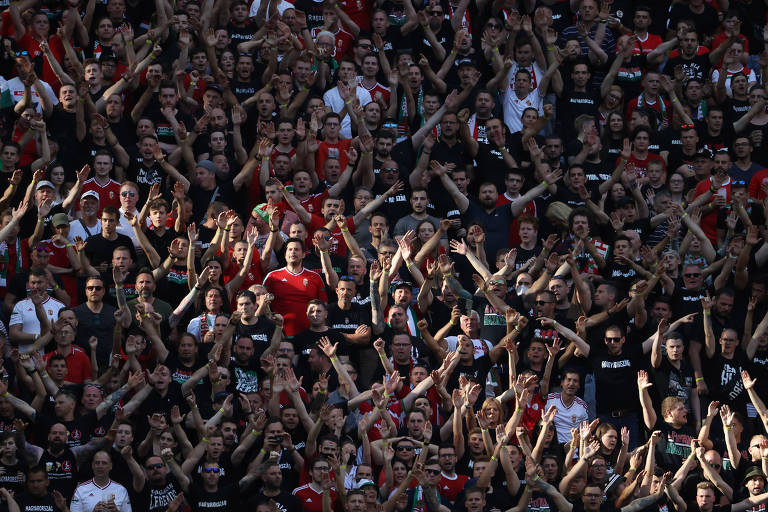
(5, 260)
(641, 102)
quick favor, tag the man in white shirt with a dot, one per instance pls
(25, 327)
(521, 94)
(100, 489)
(571, 410)
(333, 98)
(129, 197)
(89, 223)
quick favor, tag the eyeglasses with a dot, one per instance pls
(432, 471)
(692, 275)
(716, 466)
(436, 13)
(405, 448)
(126, 193)
(155, 466)
(542, 302)
(389, 169)
(496, 281)
(94, 288)
(494, 25)
(223, 376)
(612, 339)
(212, 470)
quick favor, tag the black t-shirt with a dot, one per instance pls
(156, 499)
(477, 372)
(145, 176)
(698, 67)
(675, 445)
(62, 125)
(99, 249)
(723, 378)
(260, 332)
(225, 499)
(29, 503)
(616, 377)
(201, 199)
(285, 501)
(61, 471)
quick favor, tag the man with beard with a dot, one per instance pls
(37, 498)
(272, 479)
(62, 464)
(265, 333)
(154, 489)
(145, 288)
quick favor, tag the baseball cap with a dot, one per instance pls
(45, 183)
(60, 219)
(467, 61)
(752, 473)
(365, 482)
(90, 193)
(215, 87)
(207, 165)
(703, 153)
(404, 284)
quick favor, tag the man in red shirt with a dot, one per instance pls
(333, 145)
(719, 186)
(78, 362)
(293, 287)
(451, 483)
(311, 494)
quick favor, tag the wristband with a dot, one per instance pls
(263, 451)
(699, 379)
(343, 467)
(384, 443)
(448, 275)
(256, 432)
(325, 252)
(4, 395)
(344, 230)
(33, 130)
(494, 458)
(198, 288)
(68, 245)
(674, 99)
(706, 313)
(129, 43)
(265, 159)
(452, 322)
(544, 182)
(348, 102)
(409, 264)
(685, 214)
(82, 100)
(222, 409)
(44, 374)
(148, 41)
(216, 383)
(37, 336)
(205, 440)
(483, 430)
(274, 230)
(334, 358)
(518, 409)
(454, 52)
(632, 468)
(56, 287)
(192, 83)
(727, 428)
(227, 229)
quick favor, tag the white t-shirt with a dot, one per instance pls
(16, 89)
(124, 228)
(514, 107)
(333, 99)
(88, 495)
(194, 325)
(24, 314)
(76, 228)
(480, 350)
(567, 417)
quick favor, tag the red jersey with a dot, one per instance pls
(311, 500)
(451, 487)
(661, 106)
(314, 202)
(709, 220)
(255, 275)
(530, 209)
(344, 41)
(700, 50)
(755, 192)
(108, 194)
(647, 46)
(338, 245)
(292, 293)
(335, 150)
(78, 365)
(32, 46)
(641, 166)
(378, 88)
(360, 11)
(59, 258)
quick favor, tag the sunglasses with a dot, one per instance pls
(23, 53)
(155, 466)
(611, 339)
(691, 275)
(212, 470)
(127, 193)
(432, 471)
(493, 25)
(389, 169)
(405, 448)
(94, 288)
(496, 281)
(542, 302)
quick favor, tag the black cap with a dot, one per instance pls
(703, 153)
(107, 55)
(215, 87)
(467, 61)
(404, 284)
